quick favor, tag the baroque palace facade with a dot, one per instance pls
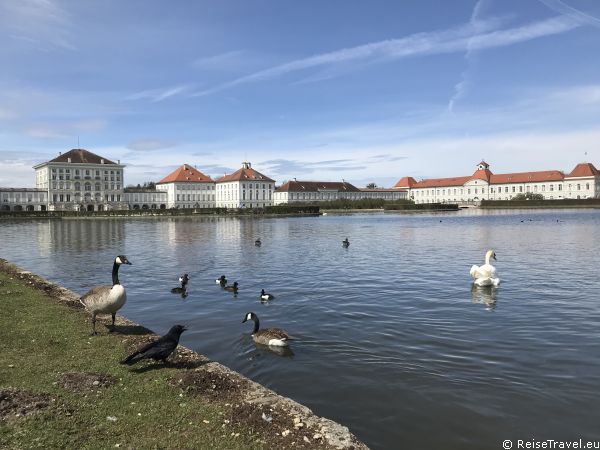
(582, 182)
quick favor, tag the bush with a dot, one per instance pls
(364, 203)
(528, 196)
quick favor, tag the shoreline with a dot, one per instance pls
(293, 424)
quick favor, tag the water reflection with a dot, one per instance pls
(484, 295)
(285, 352)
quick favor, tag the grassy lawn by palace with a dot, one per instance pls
(62, 388)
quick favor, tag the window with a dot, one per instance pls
(520, 188)
(578, 187)
(551, 187)
(587, 186)
(514, 188)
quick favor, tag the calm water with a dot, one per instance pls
(392, 340)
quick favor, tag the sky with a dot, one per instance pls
(317, 90)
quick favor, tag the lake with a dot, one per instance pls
(392, 340)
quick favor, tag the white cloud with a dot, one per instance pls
(581, 16)
(150, 144)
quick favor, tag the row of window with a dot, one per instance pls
(86, 171)
(87, 197)
(29, 198)
(233, 186)
(195, 187)
(194, 197)
(87, 186)
(429, 192)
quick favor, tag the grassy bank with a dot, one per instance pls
(174, 212)
(41, 341)
(62, 388)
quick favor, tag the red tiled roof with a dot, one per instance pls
(405, 182)
(381, 190)
(186, 174)
(246, 173)
(584, 170)
(527, 177)
(315, 186)
(482, 174)
(441, 182)
(80, 155)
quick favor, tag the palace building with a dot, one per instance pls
(81, 180)
(245, 188)
(582, 182)
(295, 191)
(187, 187)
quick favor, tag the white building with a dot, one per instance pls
(295, 191)
(81, 180)
(245, 188)
(145, 198)
(582, 182)
(187, 187)
(23, 199)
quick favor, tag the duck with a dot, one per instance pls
(265, 296)
(346, 243)
(233, 288)
(257, 242)
(485, 275)
(106, 299)
(184, 281)
(268, 336)
(222, 280)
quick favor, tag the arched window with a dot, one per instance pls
(77, 186)
(88, 186)
(97, 187)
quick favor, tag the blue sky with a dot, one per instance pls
(328, 90)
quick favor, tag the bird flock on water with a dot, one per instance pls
(108, 299)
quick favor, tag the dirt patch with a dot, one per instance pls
(209, 384)
(15, 403)
(277, 426)
(85, 382)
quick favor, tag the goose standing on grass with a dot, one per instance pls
(257, 242)
(106, 299)
(222, 280)
(346, 243)
(486, 274)
(268, 336)
(265, 296)
(158, 350)
(233, 288)
(184, 281)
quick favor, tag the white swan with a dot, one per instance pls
(485, 275)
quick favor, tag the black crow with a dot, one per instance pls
(158, 350)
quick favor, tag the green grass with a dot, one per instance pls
(42, 339)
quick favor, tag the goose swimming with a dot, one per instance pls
(267, 336)
(222, 280)
(106, 299)
(346, 243)
(184, 281)
(486, 274)
(258, 242)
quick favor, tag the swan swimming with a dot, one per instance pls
(485, 275)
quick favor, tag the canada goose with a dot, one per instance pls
(345, 243)
(257, 242)
(265, 296)
(268, 336)
(485, 275)
(233, 288)
(106, 299)
(158, 350)
(184, 281)
(222, 280)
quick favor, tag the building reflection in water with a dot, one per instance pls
(86, 235)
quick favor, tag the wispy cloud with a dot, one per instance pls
(581, 16)
(224, 61)
(145, 145)
(291, 166)
(158, 95)
(40, 23)
(476, 35)
(461, 87)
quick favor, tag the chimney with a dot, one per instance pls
(101, 161)
(68, 160)
(118, 161)
(295, 179)
(59, 153)
(246, 165)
